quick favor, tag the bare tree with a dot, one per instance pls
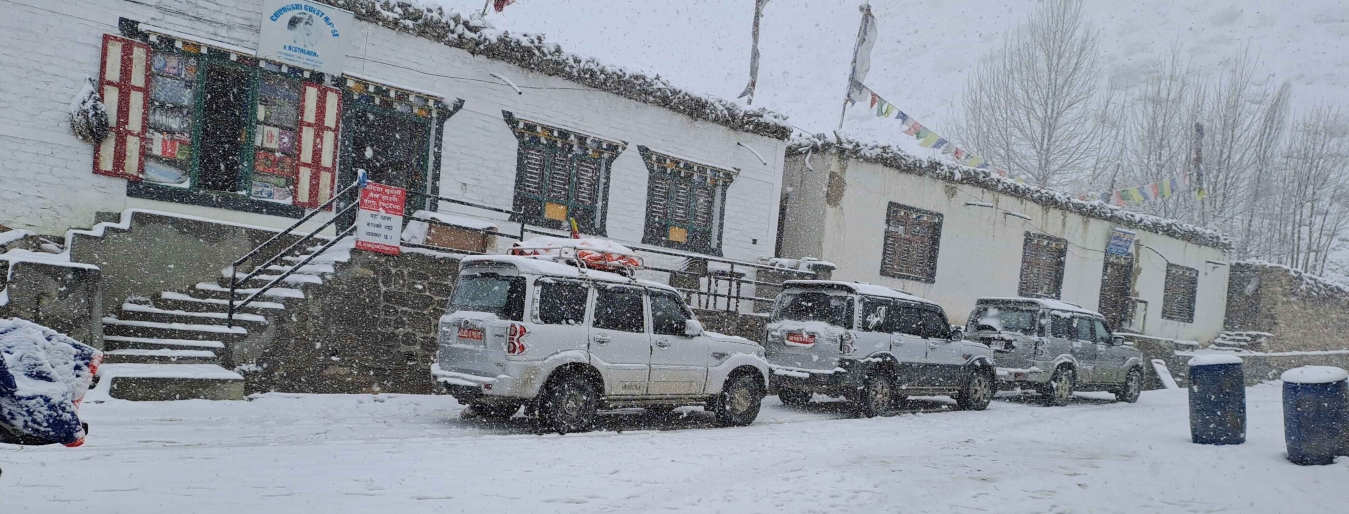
(1030, 105)
(1314, 190)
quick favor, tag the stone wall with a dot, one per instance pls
(64, 297)
(154, 252)
(371, 327)
(1303, 312)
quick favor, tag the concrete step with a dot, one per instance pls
(161, 382)
(296, 280)
(182, 302)
(312, 269)
(283, 295)
(131, 311)
(159, 330)
(159, 356)
(113, 343)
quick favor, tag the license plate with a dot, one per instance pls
(469, 333)
(801, 339)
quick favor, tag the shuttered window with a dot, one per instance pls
(1042, 261)
(684, 202)
(1178, 296)
(554, 184)
(912, 240)
(124, 86)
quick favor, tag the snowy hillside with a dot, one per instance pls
(925, 48)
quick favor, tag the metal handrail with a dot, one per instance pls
(235, 281)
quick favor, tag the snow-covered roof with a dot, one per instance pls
(859, 288)
(543, 266)
(891, 157)
(1048, 303)
(532, 52)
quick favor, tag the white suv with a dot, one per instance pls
(566, 341)
(872, 345)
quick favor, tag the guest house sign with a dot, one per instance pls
(304, 34)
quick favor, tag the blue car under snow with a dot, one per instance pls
(43, 376)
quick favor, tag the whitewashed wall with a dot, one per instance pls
(46, 182)
(981, 247)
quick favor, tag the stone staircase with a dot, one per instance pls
(1238, 340)
(178, 344)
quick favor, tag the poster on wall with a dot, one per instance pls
(1121, 242)
(304, 34)
(379, 218)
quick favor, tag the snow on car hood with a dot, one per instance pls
(43, 376)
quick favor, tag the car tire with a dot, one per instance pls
(978, 390)
(738, 403)
(1132, 388)
(1059, 389)
(569, 404)
(795, 398)
(495, 412)
(876, 397)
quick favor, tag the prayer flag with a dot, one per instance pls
(929, 140)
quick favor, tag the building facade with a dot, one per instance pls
(954, 235)
(204, 123)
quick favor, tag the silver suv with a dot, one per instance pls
(872, 345)
(566, 341)
(1056, 348)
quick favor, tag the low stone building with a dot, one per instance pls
(1272, 308)
(202, 129)
(955, 234)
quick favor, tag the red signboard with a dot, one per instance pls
(379, 219)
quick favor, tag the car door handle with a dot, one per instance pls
(932, 346)
(601, 339)
(663, 342)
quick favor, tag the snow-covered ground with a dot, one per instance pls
(323, 454)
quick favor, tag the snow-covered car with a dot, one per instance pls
(565, 341)
(44, 376)
(872, 345)
(1055, 348)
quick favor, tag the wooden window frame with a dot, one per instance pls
(1180, 292)
(666, 176)
(891, 242)
(564, 151)
(1032, 241)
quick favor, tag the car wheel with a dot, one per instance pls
(739, 401)
(495, 412)
(978, 391)
(1132, 388)
(794, 398)
(876, 397)
(569, 405)
(1059, 389)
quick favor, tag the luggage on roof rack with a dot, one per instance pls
(595, 253)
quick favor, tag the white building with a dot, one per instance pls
(954, 234)
(423, 100)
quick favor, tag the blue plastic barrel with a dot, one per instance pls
(1315, 403)
(1217, 400)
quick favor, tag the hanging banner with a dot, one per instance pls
(881, 108)
(304, 34)
(379, 219)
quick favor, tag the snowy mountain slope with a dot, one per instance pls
(925, 48)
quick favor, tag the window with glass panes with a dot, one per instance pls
(684, 202)
(226, 129)
(561, 175)
(1178, 295)
(1042, 260)
(912, 240)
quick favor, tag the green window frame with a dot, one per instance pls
(198, 58)
(561, 175)
(685, 202)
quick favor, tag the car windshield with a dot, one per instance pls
(500, 295)
(1004, 318)
(834, 309)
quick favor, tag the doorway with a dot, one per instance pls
(224, 126)
(1116, 285)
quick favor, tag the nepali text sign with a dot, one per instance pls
(1121, 242)
(379, 219)
(304, 34)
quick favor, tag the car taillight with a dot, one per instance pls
(845, 343)
(514, 339)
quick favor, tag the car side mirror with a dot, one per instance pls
(957, 332)
(693, 328)
(1117, 340)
